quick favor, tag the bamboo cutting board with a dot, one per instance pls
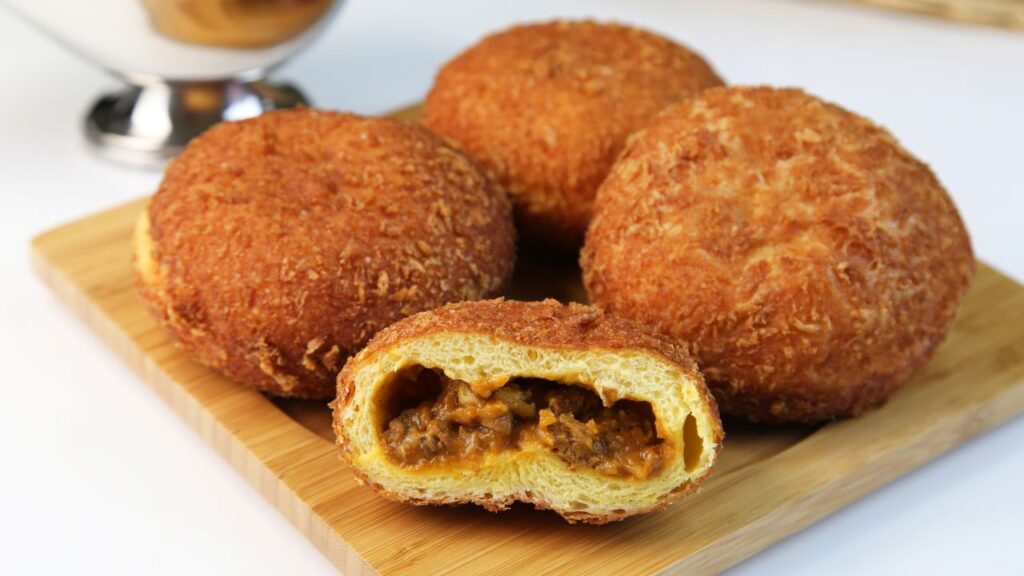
(769, 482)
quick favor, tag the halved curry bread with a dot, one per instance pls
(564, 407)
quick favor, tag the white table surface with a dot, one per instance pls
(100, 477)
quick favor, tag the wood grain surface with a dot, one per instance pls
(769, 483)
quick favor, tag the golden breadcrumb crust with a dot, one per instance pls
(547, 107)
(812, 262)
(540, 325)
(280, 245)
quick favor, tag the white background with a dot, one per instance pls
(99, 477)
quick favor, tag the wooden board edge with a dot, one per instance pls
(198, 417)
(779, 523)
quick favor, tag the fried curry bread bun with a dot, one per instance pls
(547, 107)
(812, 262)
(276, 247)
(564, 407)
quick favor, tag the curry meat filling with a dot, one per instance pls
(455, 424)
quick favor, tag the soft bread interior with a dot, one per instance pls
(145, 265)
(148, 271)
(684, 421)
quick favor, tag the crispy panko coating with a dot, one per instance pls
(812, 263)
(276, 247)
(547, 107)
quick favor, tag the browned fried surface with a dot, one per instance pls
(813, 263)
(544, 324)
(285, 242)
(548, 106)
